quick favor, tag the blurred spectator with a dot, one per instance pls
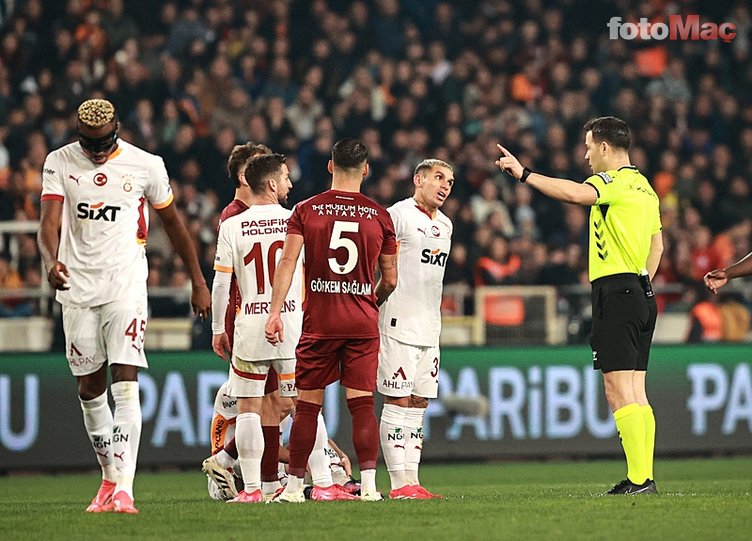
(118, 25)
(673, 84)
(575, 229)
(10, 279)
(303, 114)
(164, 306)
(706, 322)
(457, 282)
(459, 270)
(412, 79)
(556, 271)
(735, 318)
(498, 266)
(280, 83)
(737, 205)
(231, 112)
(186, 31)
(141, 125)
(389, 28)
(707, 204)
(487, 203)
(704, 256)
(524, 215)
(281, 135)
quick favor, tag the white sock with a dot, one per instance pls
(413, 443)
(392, 434)
(318, 461)
(368, 481)
(98, 423)
(250, 441)
(294, 484)
(270, 487)
(126, 433)
(224, 459)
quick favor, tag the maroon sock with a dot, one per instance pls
(365, 431)
(270, 458)
(231, 449)
(303, 436)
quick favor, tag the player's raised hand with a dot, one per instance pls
(201, 300)
(221, 346)
(274, 330)
(715, 279)
(508, 163)
(58, 277)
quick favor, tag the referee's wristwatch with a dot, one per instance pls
(526, 172)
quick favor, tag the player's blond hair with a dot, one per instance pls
(430, 163)
(96, 113)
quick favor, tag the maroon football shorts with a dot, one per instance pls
(352, 361)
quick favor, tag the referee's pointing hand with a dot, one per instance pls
(509, 164)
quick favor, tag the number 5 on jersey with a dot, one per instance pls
(338, 241)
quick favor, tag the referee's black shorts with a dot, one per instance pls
(623, 323)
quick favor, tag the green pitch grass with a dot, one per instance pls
(699, 499)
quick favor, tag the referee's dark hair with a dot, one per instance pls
(349, 154)
(610, 129)
(260, 168)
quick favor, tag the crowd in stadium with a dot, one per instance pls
(190, 79)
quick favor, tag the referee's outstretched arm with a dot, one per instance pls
(562, 189)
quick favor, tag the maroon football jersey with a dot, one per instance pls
(343, 233)
(236, 206)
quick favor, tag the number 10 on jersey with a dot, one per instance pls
(255, 256)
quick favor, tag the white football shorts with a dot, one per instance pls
(406, 369)
(225, 404)
(112, 333)
(248, 378)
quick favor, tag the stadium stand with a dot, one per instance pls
(412, 79)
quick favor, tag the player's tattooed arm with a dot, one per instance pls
(388, 281)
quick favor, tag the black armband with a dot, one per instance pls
(526, 172)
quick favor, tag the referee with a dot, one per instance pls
(625, 249)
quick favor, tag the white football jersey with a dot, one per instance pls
(105, 219)
(412, 313)
(250, 245)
